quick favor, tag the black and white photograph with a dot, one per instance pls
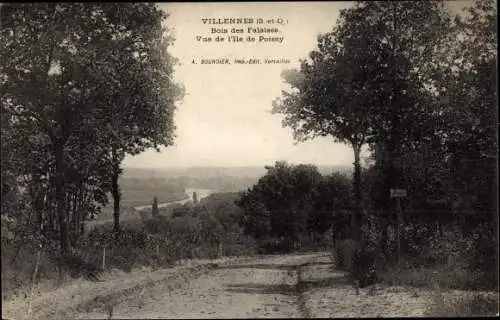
(273, 159)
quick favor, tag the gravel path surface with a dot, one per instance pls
(329, 294)
(261, 287)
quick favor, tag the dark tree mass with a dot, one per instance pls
(81, 86)
(419, 89)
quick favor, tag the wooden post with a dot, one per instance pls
(398, 229)
(103, 258)
(33, 283)
(398, 193)
(158, 249)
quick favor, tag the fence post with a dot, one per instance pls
(399, 226)
(33, 282)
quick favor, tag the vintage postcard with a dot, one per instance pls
(278, 159)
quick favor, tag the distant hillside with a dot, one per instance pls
(198, 172)
(212, 172)
(332, 169)
(223, 179)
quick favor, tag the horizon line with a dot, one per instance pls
(229, 166)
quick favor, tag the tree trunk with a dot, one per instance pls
(81, 204)
(357, 218)
(82, 221)
(37, 199)
(154, 207)
(39, 213)
(43, 207)
(336, 235)
(74, 214)
(312, 238)
(49, 205)
(69, 218)
(60, 199)
(439, 227)
(384, 236)
(397, 231)
(115, 191)
(77, 212)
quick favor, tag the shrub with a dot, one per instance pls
(483, 259)
(344, 252)
(453, 259)
(144, 214)
(271, 245)
(363, 267)
(415, 239)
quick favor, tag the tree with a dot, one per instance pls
(66, 80)
(469, 98)
(331, 203)
(212, 230)
(39, 36)
(154, 209)
(440, 160)
(322, 106)
(224, 208)
(142, 98)
(470, 102)
(365, 83)
(256, 218)
(281, 205)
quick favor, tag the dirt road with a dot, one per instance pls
(265, 287)
(282, 286)
(279, 286)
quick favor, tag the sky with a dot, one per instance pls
(224, 120)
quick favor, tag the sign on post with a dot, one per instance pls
(398, 193)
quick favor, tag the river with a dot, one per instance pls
(200, 193)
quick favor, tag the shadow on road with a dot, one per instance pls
(273, 266)
(330, 282)
(335, 280)
(260, 266)
(288, 289)
(252, 288)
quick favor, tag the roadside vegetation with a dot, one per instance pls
(420, 92)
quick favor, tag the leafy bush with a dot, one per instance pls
(363, 267)
(415, 239)
(344, 252)
(453, 260)
(161, 240)
(483, 259)
(271, 245)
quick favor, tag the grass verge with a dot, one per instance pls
(454, 293)
(460, 304)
